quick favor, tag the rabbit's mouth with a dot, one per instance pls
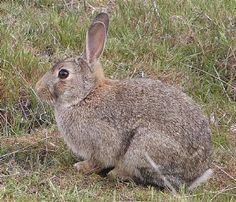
(46, 95)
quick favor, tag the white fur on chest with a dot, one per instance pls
(76, 148)
(72, 136)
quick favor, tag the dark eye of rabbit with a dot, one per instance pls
(63, 74)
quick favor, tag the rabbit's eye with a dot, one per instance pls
(63, 74)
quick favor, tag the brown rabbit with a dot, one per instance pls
(112, 123)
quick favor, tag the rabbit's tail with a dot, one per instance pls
(172, 182)
(203, 178)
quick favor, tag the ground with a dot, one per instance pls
(189, 44)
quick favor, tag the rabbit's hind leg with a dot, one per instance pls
(119, 174)
(87, 167)
(163, 150)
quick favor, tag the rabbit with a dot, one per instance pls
(117, 123)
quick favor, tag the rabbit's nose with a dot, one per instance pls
(42, 83)
(41, 86)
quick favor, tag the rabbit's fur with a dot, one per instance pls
(112, 123)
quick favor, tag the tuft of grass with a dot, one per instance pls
(189, 44)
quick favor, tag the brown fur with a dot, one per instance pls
(99, 74)
(116, 123)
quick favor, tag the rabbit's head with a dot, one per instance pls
(71, 80)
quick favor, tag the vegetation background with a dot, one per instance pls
(187, 43)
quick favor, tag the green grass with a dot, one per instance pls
(190, 44)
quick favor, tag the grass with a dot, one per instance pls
(190, 44)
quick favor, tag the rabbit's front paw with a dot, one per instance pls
(87, 167)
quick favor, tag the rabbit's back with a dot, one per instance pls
(129, 104)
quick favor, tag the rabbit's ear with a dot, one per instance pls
(102, 17)
(96, 38)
